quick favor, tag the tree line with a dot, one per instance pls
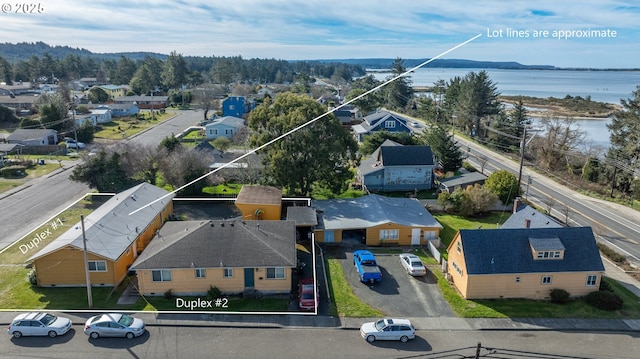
(171, 72)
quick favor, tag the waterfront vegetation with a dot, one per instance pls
(568, 106)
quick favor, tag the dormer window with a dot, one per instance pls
(546, 248)
(389, 124)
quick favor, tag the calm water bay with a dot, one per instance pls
(603, 86)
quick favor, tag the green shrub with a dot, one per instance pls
(213, 293)
(32, 278)
(604, 300)
(169, 294)
(12, 171)
(559, 296)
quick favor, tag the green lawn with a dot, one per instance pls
(223, 189)
(344, 302)
(120, 129)
(6, 185)
(452, 223)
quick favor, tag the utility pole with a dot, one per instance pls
(86, 264)
(522, 144)
(615, 171)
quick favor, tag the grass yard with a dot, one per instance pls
(6, 185)
(346, 303)
(15, 289)
(120, 129)
(452, 223)
(226, 189)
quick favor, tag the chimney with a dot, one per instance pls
(516, 203)
(527, 223)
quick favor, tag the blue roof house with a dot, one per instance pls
(524, 262)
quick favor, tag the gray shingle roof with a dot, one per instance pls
(508, 251)
(470, 177)
(535, 218)
(111, 228)
(259, 195)
(303, 216)
(216, 243)
(372, 210)
(24, 134)
(406, 155)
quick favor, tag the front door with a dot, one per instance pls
(248, 278)
(415, 236)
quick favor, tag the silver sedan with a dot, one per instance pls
(114, 325)
(412, 264)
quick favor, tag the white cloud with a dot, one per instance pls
(294, 29)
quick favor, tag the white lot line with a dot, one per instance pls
(308, 122)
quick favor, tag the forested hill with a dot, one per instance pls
(384, 63)
(25, 50)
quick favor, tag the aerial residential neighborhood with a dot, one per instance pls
(305, 180)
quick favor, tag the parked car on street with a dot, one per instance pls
(412, 264)
(71, 143)
(367, 266)
(38, 324)
(388, 329)
(114, 325)
(307, 294)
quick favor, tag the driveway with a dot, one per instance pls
(399, 294)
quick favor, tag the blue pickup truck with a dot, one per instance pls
(367, 266)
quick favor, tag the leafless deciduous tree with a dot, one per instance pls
(558, 138)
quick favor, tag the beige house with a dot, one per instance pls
(524, 262)
(114, 238)
(236, 256)
(376, 220)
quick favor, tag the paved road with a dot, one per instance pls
(616, 224)
(46, 196)
(27, 209)
(173, 126)
(229, 342)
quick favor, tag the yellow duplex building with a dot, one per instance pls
(114, 238)
(236, 256)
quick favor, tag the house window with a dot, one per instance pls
(97, 266)
(389, 124)
(548, 254)
(228, 131)
(200, 273)
(459, 247)
(591, 280)
(275, 273)
(546, 279)
(389, 234)
(161, 275)
(517, 279)
(455, 266)
(228, 272)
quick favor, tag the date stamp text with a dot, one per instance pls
(22, 8)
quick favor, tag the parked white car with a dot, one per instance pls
(388, 329)
(38, 324)
(75, 144)
(412, 264)
(114, 325)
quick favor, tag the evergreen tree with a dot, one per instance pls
(444, 147)
(372, 141)
(399, 92)
(624, 132)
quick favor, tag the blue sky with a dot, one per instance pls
(330, 29)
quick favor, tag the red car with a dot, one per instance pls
(307, 296)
